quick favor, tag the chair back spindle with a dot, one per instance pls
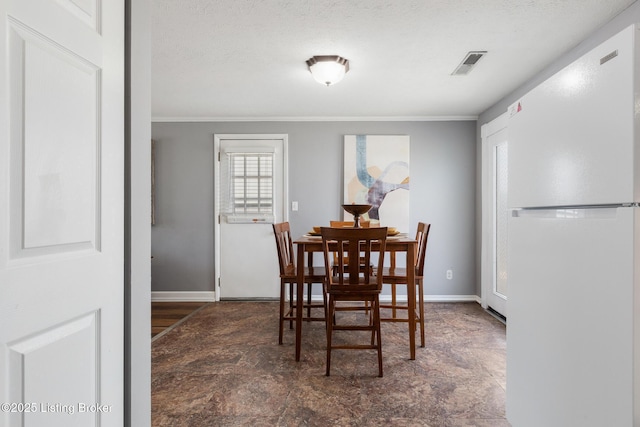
(284, 244)
(422, 236)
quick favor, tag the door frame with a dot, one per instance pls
(488, 249)
(137, 280)
(216, 180)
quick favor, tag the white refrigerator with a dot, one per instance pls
(573, 331)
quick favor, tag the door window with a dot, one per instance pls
(248, 190)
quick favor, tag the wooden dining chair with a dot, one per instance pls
(395, 276)
(288, 276)
(353, 285)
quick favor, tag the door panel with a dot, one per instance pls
(35, 356)
(61, 211)
(55, 163)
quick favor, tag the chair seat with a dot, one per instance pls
(315, 274)
(351, 288)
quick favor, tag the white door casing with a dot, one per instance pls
(61, 212)
(246, 261)
(494, 215)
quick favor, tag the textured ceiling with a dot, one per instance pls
(245, 59)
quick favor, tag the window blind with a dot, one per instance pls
(247, 193)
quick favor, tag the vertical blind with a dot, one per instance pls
(247, 182)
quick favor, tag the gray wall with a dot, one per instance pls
(443, 192)
(628, 17)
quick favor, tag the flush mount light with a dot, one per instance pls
(328, 69)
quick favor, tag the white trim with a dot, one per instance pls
(249, 150)
(316, 119)
(216, 216)
(209, 296)
(182, 296)
(496, 125)
(488, 232)
(452, 298)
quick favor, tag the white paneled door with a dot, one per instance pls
(495, 215)
(61, 212)
(251, 186)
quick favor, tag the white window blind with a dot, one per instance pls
(247, 187)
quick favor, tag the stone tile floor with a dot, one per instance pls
(224, 367)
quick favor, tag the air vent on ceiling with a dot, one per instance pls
(608, 57)
(469, 62)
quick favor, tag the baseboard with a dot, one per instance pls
(162, 296)
(159, 296)
(451, 298)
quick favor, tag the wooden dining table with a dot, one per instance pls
(308, 244)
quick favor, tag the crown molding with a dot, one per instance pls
(160, 119)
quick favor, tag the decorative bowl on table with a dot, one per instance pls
(356, 211)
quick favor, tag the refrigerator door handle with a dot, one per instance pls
(576, 212)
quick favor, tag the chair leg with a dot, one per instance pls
(324, 302)
(372, 321)
(332, 305)
(281, 320)
(421, 307)
(376, 320)
(308, 299)
(393, 300)
(374, 325)
(290, 304)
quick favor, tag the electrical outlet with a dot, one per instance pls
(294, 206)
(449, 274)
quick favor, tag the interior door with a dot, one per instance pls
(251, 183)
(61, 212)
(495, 215)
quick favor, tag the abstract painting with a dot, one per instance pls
(376, 172)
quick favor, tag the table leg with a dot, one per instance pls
(411, 296)
(299, 299)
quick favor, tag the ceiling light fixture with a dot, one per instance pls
(328, 69)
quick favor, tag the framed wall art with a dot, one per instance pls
(376, 172)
